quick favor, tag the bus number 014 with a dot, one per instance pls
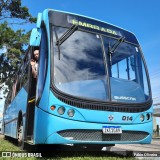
(127, 118)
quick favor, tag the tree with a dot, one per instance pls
(10, 58)
(12, 42)
(13, 11)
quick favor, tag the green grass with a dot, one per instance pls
(10, 146)
(6, 145)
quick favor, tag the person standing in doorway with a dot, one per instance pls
(34, 63)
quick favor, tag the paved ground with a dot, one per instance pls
(154, 146)
(146, 151)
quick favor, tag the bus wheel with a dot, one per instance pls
(20, 135)
(5, 137)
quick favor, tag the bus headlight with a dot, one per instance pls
(61, 110)
(142, 117)
(71, 113)
(148, 116)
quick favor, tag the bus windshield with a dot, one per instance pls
(88, 69)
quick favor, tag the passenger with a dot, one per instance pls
(34, 63)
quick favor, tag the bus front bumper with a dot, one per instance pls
(50, 129)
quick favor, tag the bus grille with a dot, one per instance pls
(97, 135)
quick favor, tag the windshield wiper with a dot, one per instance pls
(114, 47)
(65, 36)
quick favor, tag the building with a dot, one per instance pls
(156, 115)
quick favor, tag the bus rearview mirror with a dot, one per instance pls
(35, 37)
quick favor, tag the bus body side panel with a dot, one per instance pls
(11, 115)
(46, 131)
(43, 104)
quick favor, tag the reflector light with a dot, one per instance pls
(52, 108)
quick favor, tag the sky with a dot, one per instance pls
(142, 17)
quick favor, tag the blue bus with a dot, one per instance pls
(92, 88)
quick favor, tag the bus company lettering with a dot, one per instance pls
(88, 25)
(125, 98)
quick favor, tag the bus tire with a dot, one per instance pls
(5, 137)
(3, 131)
(20, 137)
(20, 133)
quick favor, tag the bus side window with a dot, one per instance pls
(18, 85)
(43, 59)
(19, 78)
(14, 88)
(8, 99)
(25, 70)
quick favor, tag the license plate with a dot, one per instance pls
(112, 130)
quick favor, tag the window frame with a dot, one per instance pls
(42, 67)
(108, 72)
